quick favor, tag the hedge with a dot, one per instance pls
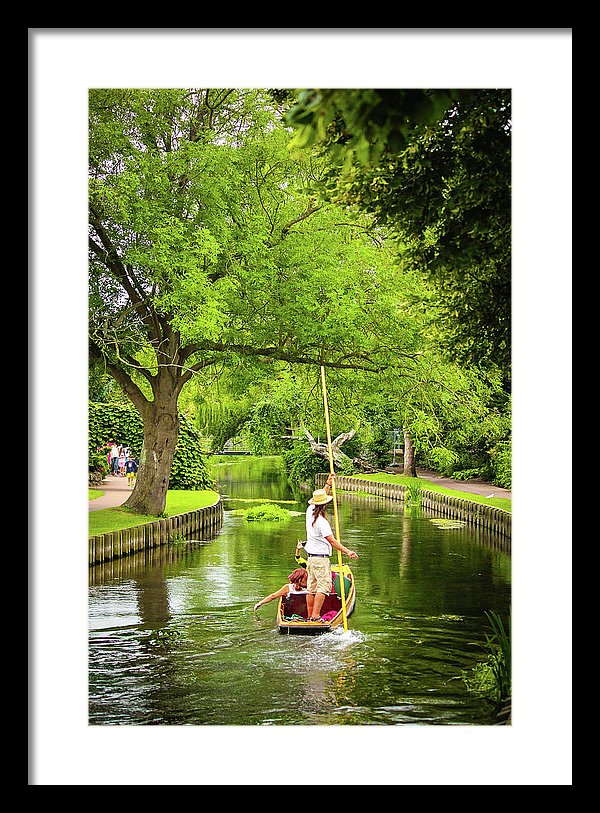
(122, 423)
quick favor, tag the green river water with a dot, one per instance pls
(174, 639)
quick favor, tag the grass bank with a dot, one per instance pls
(178, 502)
(94, 493)
(428, 485)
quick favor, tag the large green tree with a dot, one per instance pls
(456, 420)
(206, 244)
(434, 166)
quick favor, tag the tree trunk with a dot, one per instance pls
(161, 429)
(410, 469)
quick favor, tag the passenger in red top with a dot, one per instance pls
(296, 584)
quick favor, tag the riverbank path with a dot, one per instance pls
(116, 489)
(479, 487)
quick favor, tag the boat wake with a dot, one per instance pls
(342, 639)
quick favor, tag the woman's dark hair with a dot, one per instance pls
(299, 577)
(318, 511)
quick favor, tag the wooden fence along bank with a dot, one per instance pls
(204, 523)
(486, 517)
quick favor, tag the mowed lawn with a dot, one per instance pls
(178, 502)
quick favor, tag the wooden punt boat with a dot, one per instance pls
(292, 612)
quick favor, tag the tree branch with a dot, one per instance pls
(310, 210)
(194, 368)
(108, 255)
(283, 355)
(125, 382)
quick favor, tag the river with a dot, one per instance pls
(174, 639)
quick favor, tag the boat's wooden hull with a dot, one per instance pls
(296, 605)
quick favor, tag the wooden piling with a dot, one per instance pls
(202, 522)
(490, 519)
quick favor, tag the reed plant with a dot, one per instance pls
(413, 493)
(492, 678)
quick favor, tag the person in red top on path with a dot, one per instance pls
(319, 542)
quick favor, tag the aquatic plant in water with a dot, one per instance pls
(265, 513)
(448, 524)
(492, 678)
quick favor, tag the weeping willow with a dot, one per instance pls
(220, 420)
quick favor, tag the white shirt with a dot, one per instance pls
(292, 589)
(315, 534)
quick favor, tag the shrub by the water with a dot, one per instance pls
(492, 678)
(501, 460)
(302, 463)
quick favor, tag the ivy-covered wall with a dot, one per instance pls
(122, 423)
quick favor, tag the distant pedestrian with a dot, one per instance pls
(131, 468)
(121, 463)
(115, 451)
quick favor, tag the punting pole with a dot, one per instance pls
(333, 493)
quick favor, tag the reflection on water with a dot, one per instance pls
(174, 639)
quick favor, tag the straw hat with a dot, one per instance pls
(320, 497)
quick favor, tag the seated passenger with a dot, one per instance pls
(298, 580)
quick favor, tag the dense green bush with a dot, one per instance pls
(302, 463)
(189, 469)
(501, 462)
(98, 461)
(118, 422)
(376, 449)
(466, 459)
(123, 424)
